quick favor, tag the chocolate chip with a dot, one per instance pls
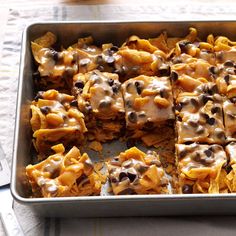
(183, 46)
(55, 55)
(220, 134)
(141, 168)
(99, 59)
(164, 93)
(205, 116)
(114, 49)
(104, 104)
(197, 157)
(214, 70)
(122, 175)
(194, 102)
(183, 153)
(81, 178)
(212, 90)
(205, 99)
(88, 109)
(128, 103)
(132, 117)
(69, 72)
(164, 70)
(138, 87)
(101, 68)
(179, 118)
(74, 103)
(114, 180)
(115, 88)
(211, 121)
(193, 123)
(208, 152)
(174, 76)
(38, 96)
(229, 63)
(148, 125)
(131, 175)
(233, 100)
(110, 81)
(45, 110)
(179, 106)
(226, 78)
(84, 62)
(187, 189)
(79, 84)
(215, 110)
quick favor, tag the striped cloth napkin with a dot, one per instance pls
(33, 225)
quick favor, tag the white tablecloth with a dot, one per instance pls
(33, 225)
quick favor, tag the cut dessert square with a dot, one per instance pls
(100, 99)
(200, 116)
(54, 120)
(201, 168)
(229, 108)
(189, 74)
(134, 172)
(231, 176)
(148, 104)
(64, 175)
(140, 57)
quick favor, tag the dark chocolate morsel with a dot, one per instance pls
(110, 81)
(74, 103)
(38, 96)
(187, 189)
(114, 49)
(138, 87)
(164, 70)
(45, 110)
(179, 106)
(211, 121)
(174, 76)
(79, 84)
(132, 117)
(215, 109)
(214, 70)
(208, 152)
(233, 100)
(122, 175)
(104, 104)
(194, 102)
(229, 63)
(226, 78)
(131, 175)
(183, 153)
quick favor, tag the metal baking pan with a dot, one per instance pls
(100, 206)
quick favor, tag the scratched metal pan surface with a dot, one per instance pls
(104, 205)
